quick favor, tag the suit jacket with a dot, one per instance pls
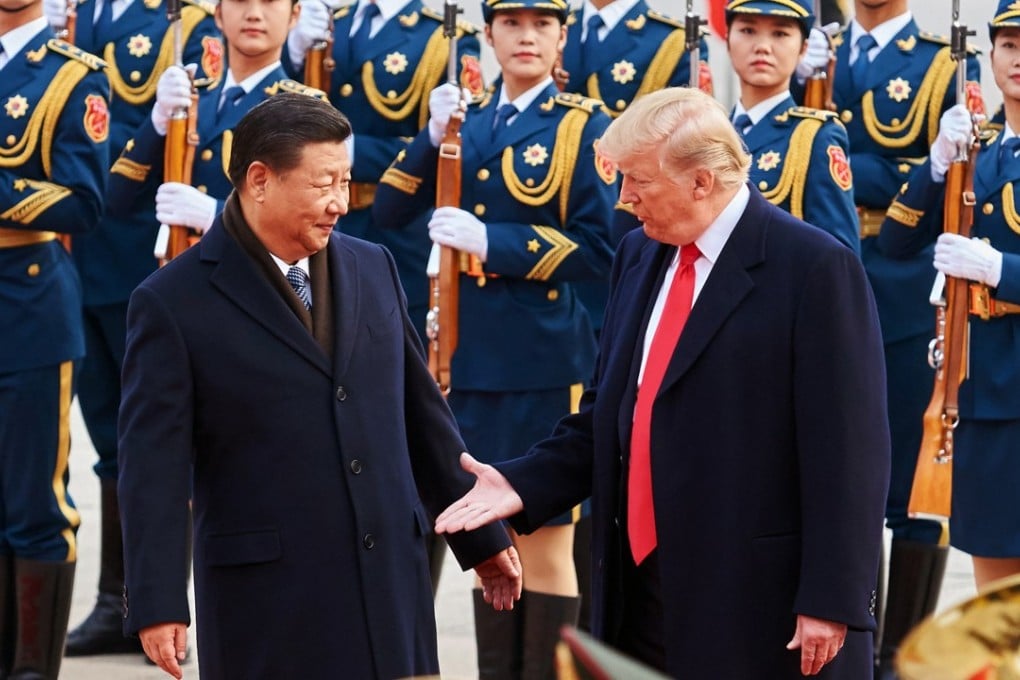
(769, 449)
(305, 474)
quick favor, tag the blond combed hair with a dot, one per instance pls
(686, 128)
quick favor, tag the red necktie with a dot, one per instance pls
(640, 510)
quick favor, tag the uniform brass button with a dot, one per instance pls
(135, 76)
(895, 121)
(480, 282)
(33, 269)
(529, 182)
(620, 105)
(368, 541)
(11, 139)
(392, 94)
(346, 89)
(483, 174)
(904, 168)
(988, 208)
(479, 209)
(202, 188)
(553, 295)
(207, 155)
(846, 116)
(356, 466)
(763, 185)
(341, 394)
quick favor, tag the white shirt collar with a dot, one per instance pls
(387, 10)
(761, 109)
(16, 39)
(611, 15)
(249, 83)
(301, 264)
(712, 241)
(526, 98)
(883, 33)
(116, 9)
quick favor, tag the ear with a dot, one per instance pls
(562, 42)
(256, 180)
(704, 183)
(295, 12)
(218, 17)
(488, 35)
(803, 47)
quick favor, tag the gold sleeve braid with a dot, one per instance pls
(428, 73)
(190, 17)
(909, 217)
(658, 73)
(795, 168)
(561, 168)
(930, 94)
(133, 170)
(1009, 212)
(43, 123)
(44, 195)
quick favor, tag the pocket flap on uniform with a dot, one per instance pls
(249, 547)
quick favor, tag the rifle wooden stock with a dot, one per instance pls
(818, 88)
(444, 316)
(319, 65)
(931, 494)
(67, 33)
(178, 161)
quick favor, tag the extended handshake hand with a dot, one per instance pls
(490, 499)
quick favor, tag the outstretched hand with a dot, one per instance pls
(819, 642)
(490, 499)
(501, 579)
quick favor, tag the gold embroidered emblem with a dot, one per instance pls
(898, 89)
(533, 246)
(16, 106)
(20, 185)
(907, 44)
(535, 155)
(769, 160)
(139, 45)
(408, 20)
(635, 24)
(395, 63)
(623, 72)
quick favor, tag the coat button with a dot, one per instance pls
(368, 541)
(341, 394)
(356, 466)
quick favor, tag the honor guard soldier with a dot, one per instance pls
(135, 40)
(536, 207)
(387, 56)
(54, 156)
(892, 83)
(985, 520)
(255, 32)
(798, 155)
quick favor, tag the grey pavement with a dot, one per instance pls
(453, 604)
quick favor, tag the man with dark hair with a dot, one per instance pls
(273, 376)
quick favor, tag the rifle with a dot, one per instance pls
(319, 62)
(818, 88)
(931, 494)
(66, 33)
(692, 37)
(179, 150)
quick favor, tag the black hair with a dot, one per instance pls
(277, 130)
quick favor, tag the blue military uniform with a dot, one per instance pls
(986, 471)
(385, 94)
(54, 128)
(799, 163)
(138, 173)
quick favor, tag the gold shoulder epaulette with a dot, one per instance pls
(817, 114)
(939, 39)
(343, 11)
(578, 101)
(665, 19)
(206, 5)
(71, 51)
(294, 86)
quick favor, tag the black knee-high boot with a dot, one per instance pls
(498, 637)
(544, 615)
(8, 615)
(43, 592)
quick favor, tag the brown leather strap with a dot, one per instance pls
(871, 221)
(984, 306)
(14, 238)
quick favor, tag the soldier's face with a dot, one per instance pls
(256, 27)
(11, 8)
(764, 50)
(526, 43)
(1006, 62)
(295, 211)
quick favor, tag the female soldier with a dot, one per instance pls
(986, 471)
(799, 154)
(538, 215)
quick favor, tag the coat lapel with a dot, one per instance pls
(890, 59)
(136, 19)
(768, 129)
(22, 69)
(237, 277)
(842, 85)
(343, 273)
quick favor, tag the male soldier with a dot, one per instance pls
(135, 40)
(892, 83)
(53, 161)
(389, 55)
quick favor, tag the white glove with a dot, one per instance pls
(459, 229)
(443, 101)
(184, 206)
(173, 91)
(56, 12)
(312, 26)
(818, 51)
(968, 258)
(955, 130)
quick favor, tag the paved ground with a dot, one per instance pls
(453, 606)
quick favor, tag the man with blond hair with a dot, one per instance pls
(734, 441)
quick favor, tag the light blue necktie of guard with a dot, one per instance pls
(859, 69)
(298, 280)
(231, 96)
(592, 43)
(503, 116)
(359, 41)
(742, 123)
